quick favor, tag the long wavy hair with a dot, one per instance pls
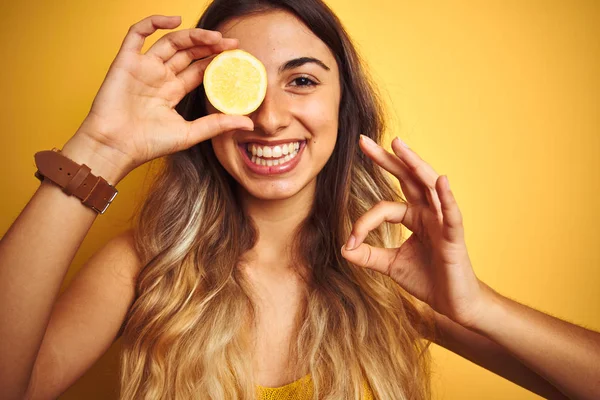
(188, 333)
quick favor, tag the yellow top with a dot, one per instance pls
(302, 389)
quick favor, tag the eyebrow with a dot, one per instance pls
(297, 62)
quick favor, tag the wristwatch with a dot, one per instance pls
(75, 179)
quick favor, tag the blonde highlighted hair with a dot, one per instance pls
(188, 333)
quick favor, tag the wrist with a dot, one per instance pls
(104, 162)
(492, 311)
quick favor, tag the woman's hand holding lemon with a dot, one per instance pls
(433, 263)
(132, 119)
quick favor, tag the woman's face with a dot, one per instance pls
(299, 112)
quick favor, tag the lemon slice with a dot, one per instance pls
(235, 82)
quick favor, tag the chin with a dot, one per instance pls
(273, 190)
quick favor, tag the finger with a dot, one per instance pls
(414, 192)
(134, 40)
(421, 170)
(384, 211)
(183, 58)
(192, 76)
(168, 45)
(453, 229)
(375, 258)
(213, 124)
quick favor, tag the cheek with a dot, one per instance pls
(224, 149)
(321, 119)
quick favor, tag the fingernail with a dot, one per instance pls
(368, 140)
(448, 182)
(402, 142)
(351, 241)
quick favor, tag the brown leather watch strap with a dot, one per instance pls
(75, 179)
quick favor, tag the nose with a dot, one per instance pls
(273, 115)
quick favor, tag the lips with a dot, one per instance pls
(274, 169)
(271, 142)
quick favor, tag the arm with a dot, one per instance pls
(35, 254)
(116, 137)
(564, 354)
(86, 319)
(491, 356)
(434, 266)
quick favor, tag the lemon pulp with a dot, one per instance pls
(235, 82)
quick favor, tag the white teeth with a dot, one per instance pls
(273, 152)
(281, 154)
(269, 162)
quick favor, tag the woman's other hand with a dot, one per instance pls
(433, 263)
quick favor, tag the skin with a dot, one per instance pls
(433, 264)
(475, 321)
(294, 108)
(49, 343)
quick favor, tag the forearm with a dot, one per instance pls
(566, 355)
(491, 356)
(35, 254)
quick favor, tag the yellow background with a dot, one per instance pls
(502, 96)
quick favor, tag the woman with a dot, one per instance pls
(234, 281)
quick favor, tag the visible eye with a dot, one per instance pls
(304, 81)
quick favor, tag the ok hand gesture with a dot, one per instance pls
(432, 264)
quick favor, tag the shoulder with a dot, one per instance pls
(116, 263)
(121, 253)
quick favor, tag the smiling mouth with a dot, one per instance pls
(273, 155)
(272, 160)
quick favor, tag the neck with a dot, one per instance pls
(276, 221)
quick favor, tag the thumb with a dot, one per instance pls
(213, 124)
(375, 258)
